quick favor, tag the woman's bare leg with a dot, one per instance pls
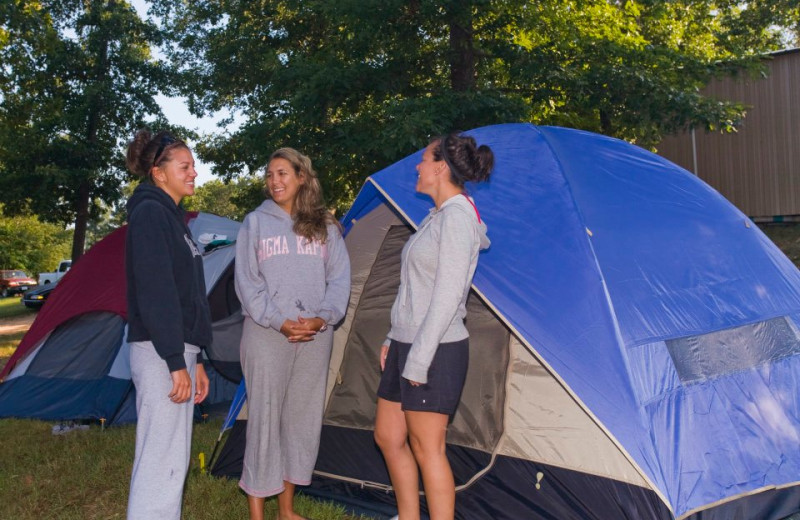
(256, 505)
(391, 434)
(427, 433)
(286, 503)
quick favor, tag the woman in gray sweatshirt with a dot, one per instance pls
(293, 279)
(424, 359)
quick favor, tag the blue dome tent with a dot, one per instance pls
(634, 348)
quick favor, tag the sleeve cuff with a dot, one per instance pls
(414, 372)
(327, 316)
(277, 322)
(175, 362)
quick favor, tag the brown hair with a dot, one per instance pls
(148, 150)
(467, 161)
(310, 215)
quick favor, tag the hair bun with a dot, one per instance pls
(136, 151)
(468, 162)
(147, 150)
(484, 163)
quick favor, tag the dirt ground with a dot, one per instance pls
(16, 324)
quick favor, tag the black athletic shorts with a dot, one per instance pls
(446, 377)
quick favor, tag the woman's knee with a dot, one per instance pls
(388, 439)
(426, 447)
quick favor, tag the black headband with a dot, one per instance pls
(165, 141)
(445, 158)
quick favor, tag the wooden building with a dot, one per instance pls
(757, 168)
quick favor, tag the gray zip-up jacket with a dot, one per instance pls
(281, 276)
(438, 263)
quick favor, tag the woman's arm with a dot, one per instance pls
(152, 243)
(252, 288)
(337, 279)
(457, 245)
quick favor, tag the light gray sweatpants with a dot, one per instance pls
(163, 436)
(285, 385)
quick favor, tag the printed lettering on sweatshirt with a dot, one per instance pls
(279, 245)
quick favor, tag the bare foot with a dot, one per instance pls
(291, 516)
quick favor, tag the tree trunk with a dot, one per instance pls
(462, 52)
(606, 126)
(99, 76)
(81, 221)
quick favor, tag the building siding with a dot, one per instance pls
(757, 168)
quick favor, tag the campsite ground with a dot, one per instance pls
(14, 323)
(84, 474)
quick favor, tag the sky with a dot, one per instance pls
(177, 112)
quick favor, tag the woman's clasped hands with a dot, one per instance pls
(304, 329)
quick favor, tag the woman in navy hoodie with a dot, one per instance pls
(168, 322)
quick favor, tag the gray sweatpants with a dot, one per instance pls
(163, 436)
(285, 385)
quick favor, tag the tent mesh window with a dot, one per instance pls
(79, 348)
(479, 419)
(708, 356)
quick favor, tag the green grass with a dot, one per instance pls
(11, 306)
(8, 344)
(85, 475)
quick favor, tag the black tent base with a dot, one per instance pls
(507, 491)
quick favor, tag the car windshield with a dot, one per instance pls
(7, 275)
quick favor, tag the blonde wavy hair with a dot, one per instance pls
(311, 217)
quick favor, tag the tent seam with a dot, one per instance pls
(620, 344)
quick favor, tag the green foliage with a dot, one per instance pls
(77, 79)
(31, 245)
(227, 199)
(358, 84)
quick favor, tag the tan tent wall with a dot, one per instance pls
(540, 421)
(757, 168)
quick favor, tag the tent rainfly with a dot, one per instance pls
(634, 343)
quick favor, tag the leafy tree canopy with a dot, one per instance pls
(358, 84)
(33, 246)
(232, 199)
(77, 78)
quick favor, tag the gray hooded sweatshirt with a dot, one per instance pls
(438, 263)
(281, 276)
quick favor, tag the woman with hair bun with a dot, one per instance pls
(168, 322)
(293, 279)
(424, 359)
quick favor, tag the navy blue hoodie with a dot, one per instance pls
(167, 301)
